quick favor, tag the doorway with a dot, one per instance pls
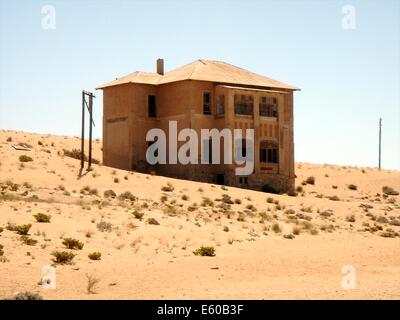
(220, 178)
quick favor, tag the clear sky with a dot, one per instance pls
(349, 77)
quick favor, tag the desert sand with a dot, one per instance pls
(267, 246)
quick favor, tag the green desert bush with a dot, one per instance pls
(109, 194)
(62, 257)
(276, 228)
(310, 180)
(27, 295)
(207, 202)
(251, 207)
(127, 195)
(288, 236)
(168, 188)
(270, 200)
(76, 154)
(153, 221)
(226, 198)
(42, 217)
(25, 158)
(205, 252)
(91, 284)
(351, 218)
(23, 229)
(71, 243)
(389, 191)
(94, 256)
(137, 214)
(352, 187)
(104, 226)
(296, 231)
(28, 241)
(11, 226)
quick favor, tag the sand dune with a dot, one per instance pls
(267, 246)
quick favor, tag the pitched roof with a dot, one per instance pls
(134, 77)
(204, 70)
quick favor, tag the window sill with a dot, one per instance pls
(265, 118)
(248, 116)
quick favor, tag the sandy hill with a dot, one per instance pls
(146, 229)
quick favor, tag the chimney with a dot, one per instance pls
(160, 66)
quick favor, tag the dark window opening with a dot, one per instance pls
(151, 104)
(269, 152)
(220, 178)
(243, 180)
(268, 107)
(206, 103)
(243, 104)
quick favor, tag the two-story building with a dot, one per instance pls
(201, 95)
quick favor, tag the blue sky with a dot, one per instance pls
(349, 77)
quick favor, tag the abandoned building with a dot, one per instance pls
(201, 95)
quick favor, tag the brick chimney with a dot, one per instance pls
(160, 66)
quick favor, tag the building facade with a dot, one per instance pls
(202, 95)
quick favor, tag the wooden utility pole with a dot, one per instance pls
(380, 142)
(89, 106)
(83, 132)
(90, 130)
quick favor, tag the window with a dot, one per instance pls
(206, 103)
(269, 152)
(268, 107)
(151, 105)
(243, 104)
(243, 180)
(221, 104)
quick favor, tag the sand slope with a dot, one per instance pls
(254, 257)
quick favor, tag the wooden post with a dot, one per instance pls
(380, 142)
(90, 129)
(83, 132)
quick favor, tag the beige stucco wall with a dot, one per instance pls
(125, 123)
